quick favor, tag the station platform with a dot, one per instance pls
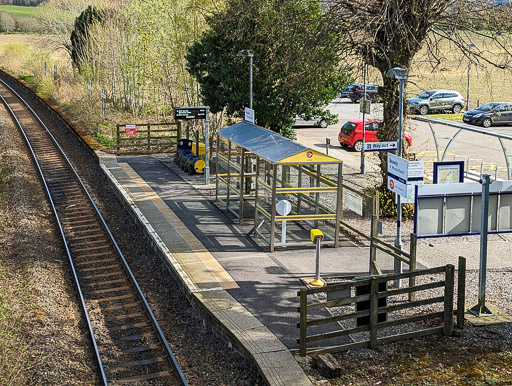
(246, 293)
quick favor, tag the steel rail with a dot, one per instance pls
(105, 228)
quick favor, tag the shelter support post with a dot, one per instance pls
(480, 309)
(273, 213)
(242, 179)
(339, 207)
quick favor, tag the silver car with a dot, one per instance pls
(300, 120)
(436, 101)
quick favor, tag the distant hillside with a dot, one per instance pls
(28, 3)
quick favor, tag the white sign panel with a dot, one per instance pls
(249, 115)
(397, 174)
(354, 203)
(380, 146)
(415, 171)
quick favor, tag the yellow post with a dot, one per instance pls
(316, 237)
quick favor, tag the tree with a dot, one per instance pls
(7, 22)
(389, 33)
(295, 66)
(80, 33)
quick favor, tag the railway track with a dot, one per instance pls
(128, 343)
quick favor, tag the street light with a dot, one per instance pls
(249, 54)
(400, 74)
(470, 45)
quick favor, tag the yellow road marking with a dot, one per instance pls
(213, 266)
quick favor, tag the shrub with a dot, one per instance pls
(7, 22)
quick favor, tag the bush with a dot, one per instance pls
(7, 22)
(387, 203)
(48, 89)
(28, 25)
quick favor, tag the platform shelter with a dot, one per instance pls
(282, 187)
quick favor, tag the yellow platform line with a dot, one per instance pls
(213, 266)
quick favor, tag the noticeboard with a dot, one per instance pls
(448, 172)
(186, 113)
(130, 129)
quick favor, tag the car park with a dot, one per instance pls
(373, 92)
(351, 134)
(303, 120)
(436, 101)
(495, 113)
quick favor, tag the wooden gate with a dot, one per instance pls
(369, 316)
(147, 138)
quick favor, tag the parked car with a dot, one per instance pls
(495, 113)
(435, 101)
(344, 93)
(351, 134)
(302, 120)
(373, 92)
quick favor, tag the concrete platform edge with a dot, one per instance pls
(255, 342)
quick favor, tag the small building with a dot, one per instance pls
(280, 186)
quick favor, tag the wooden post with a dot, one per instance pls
(374, 304)
(149, 138)
(117, 139)
(448, 300)
(373, 249)
(461, 292)
(303, 321)
(178, 136)
(412, 264)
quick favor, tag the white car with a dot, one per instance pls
(436, 101)
(314, 121)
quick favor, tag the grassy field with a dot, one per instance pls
(487, 82)
(18, 10)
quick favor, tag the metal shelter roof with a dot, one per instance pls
(267, 144)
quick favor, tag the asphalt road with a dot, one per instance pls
(480, 149)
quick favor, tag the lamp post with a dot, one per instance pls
(401, 74)
(364, 118)
(249, 54)
(470, 45)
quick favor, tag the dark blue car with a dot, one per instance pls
(494, 113)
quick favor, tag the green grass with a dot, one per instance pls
(448, 117)
(18, 10)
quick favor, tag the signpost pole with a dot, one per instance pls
(480, 308)
(398, 242)
(207, 148)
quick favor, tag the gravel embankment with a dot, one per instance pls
(203, 356)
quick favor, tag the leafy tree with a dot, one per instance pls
(295, 67)
(389, 33)
(80, 33)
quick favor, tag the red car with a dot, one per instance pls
(351, 134)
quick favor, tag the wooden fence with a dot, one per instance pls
(147, 138)
(367, 300)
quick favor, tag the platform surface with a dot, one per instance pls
(250, 292)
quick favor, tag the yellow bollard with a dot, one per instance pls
(316, 237)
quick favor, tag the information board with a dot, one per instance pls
(186, 113)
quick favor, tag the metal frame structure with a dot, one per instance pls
(440, 200)
(256, 168)
(463, 126)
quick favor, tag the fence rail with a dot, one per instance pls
(147, 138)
(367, 299)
